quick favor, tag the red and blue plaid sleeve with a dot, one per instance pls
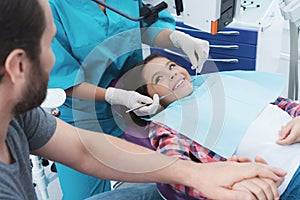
(169, 142)
(288, 105)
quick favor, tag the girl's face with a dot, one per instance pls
(163, 77)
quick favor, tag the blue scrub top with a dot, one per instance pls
(91, 46)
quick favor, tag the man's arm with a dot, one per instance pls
(108, 157)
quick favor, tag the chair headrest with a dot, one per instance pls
(55, 98)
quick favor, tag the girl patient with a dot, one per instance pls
(164, 77)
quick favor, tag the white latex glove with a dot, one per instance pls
(196, 49)
(132, 99)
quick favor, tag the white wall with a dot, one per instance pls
(285, 51)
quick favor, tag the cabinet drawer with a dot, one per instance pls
(237, 35)
(232, 48)
(242, 64)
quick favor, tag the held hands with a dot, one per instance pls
(218, 180)
(132, 99)
(260, 188)
(196, 49)
(290, 133)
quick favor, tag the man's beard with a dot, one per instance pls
(35, 92)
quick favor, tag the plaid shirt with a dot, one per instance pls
(170, 142)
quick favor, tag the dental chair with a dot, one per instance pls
(138, 134)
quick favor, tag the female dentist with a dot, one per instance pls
(93, 47)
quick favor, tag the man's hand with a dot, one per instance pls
(261, 188)
(216, 180)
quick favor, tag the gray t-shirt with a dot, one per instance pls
(26, 132)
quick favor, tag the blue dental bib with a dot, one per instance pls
(222, 107)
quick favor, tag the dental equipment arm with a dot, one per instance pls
(290, 10)
(148, 13)
(207, 15)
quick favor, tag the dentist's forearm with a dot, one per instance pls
(87, 91)
(162, 39)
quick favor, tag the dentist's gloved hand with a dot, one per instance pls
(196, 49)
(132, 99)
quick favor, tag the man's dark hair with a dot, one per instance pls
(22, 24)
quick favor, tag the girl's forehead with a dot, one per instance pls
(155, 64)
(153, 67)
(159, 60)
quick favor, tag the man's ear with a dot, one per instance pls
(15, 64)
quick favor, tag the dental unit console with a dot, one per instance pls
(208, 15)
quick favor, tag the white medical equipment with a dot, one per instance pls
(290, 10)
(54, 99)
(206, 15)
